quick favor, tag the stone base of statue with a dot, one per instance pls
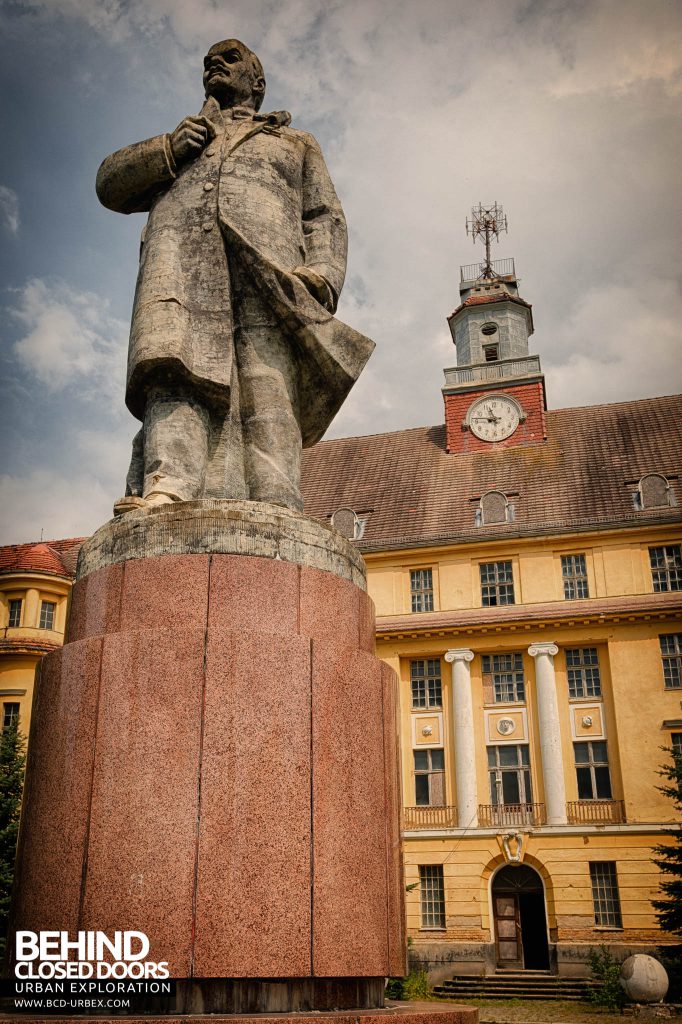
(214, 762)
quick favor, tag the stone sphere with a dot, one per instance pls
(644, 979)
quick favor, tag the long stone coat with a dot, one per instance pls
(259, 194)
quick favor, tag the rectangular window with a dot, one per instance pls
(492, 353)
(671, 653)
(509, 774)
(582, 667)
(666, 568)
(47, 615)
(574, 573)
(427, 691)
(14, 614)
(503, 681)
(10, 715)
(605, 894)
(592, 770)
(497, 583)
(676, 743)
(432, 893)
(429, 777)
(421, 590)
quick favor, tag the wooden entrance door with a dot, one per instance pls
(508, 931)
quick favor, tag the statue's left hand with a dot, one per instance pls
(317, 286)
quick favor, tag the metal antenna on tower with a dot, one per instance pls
(487, 222)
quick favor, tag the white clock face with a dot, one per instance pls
(493, 418)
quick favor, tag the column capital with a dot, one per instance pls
(459, 654)
(548, 647)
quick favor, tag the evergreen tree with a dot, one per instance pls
(669, 858)
(12, 764)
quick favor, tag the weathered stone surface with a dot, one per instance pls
(235, 357)
(644, 979)
(211, 526)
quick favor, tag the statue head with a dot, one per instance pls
(234, 75)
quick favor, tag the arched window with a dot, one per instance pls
(494, 508)
(346, 522)
(654, 491)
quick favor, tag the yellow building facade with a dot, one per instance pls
(612, 715)
(35, 582)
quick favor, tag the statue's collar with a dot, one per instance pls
(275, 119)
(238, 113)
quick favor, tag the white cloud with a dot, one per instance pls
(45, 500)
(70, 340)
(9, 209)
(618, 344)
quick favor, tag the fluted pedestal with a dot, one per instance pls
(213, 760)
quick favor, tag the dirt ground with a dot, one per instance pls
(530, 1011)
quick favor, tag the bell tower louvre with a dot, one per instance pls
(495, 396)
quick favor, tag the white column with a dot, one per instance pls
(465, 751)
(550, 732)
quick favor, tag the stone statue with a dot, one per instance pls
(236, 360)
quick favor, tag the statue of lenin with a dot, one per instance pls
(236, 360)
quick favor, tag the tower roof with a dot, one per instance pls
(480, 300)
(55, 558)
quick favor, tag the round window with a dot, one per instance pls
(489, 329)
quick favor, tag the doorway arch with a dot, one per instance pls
(518, 897)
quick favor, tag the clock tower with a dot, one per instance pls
(495, 396)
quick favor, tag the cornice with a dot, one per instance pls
(509, 618)
(25, 645)
(633, 522)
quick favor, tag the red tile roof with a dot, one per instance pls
(54, 557)
(583, 477)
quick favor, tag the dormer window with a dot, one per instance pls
(654, 491)
(494, 508)
(346, 522)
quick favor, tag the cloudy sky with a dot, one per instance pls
(565, 111)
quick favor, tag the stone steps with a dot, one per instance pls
(508, 985)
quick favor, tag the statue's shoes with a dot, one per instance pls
(128, 504)
(158, 498)
(132, 501)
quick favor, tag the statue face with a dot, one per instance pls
(229, 74)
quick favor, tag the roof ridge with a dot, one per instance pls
(377, 433)
(623, 401)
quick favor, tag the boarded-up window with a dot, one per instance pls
(345, 521)
(654, 491)
(493, 508)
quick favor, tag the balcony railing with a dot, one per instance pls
(493, 815)
(595, 812)
(481, 372)
(430, 817)
(503, 268)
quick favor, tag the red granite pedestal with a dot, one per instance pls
(214, 762)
